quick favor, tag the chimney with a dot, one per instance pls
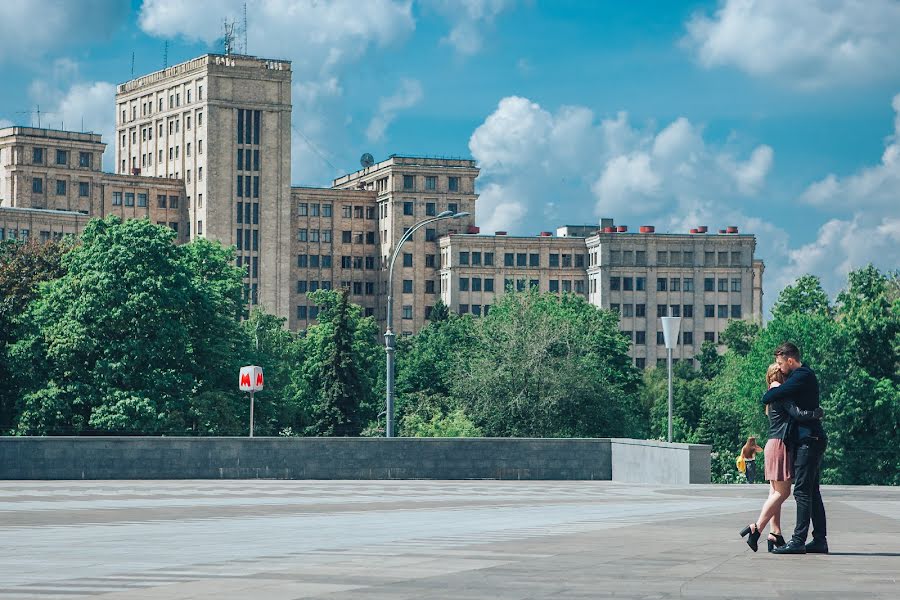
(622, 228)
(647, 229)
(499, 233)
(693, 231)
(609, 230)
(473, 229)
(545, 234)
(731, 229)
(702, 229)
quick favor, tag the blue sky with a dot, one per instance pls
(781, 118)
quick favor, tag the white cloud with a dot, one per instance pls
(5, 123)
(31, 29)
(407, 95)
(532, 159)
(806, 43)
(470, 19)
(873, 188)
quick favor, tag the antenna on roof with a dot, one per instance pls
(229, 37)
(246, 51)
(166, 55)
(32, 113)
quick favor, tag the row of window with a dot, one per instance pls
(533, 259)
(430, 208)
(311, 313)
(174, 128)
(431, 181)
(305, 209)
(678, 310)
(174, 102)
(85, 159)
(553, 285)
(23, 235)
(162, 201)
(252, 266)
(673, 284)
(244, 238)
(248, 212)
(84, 187)
(248, 126)
(671, 257)
(244, 187)
(246, 164)
(641, 362)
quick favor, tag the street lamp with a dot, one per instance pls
(670, 326)
(388, 333)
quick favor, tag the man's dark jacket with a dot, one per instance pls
(802, 388)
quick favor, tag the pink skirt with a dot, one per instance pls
(778, 461)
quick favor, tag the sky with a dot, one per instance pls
(782, 118)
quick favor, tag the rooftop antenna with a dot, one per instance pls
(229, 37)
(247, 52)
(31, 113)
(166, 55)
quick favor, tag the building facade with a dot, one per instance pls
(203, 147)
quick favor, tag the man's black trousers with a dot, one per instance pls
(807, 475)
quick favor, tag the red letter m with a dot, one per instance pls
(245, 380)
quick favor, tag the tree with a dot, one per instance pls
(550, 366)
(334, 386)
(806, 296)
(138, 335)
(23, 267)
(439, 312)
(739, 336)
(710, 360)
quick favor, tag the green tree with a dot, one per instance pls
(334, 386)
(550, 366)
(804, 296)
(711, 362)
(137, 336)
(739, 336)
(439, 312)
(23, 267)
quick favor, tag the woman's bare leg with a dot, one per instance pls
(779, 492)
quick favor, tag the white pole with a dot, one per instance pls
(671, 404)
(251, 415)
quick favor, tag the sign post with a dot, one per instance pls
(251, 380)
(670, 326)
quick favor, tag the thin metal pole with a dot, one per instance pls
(251, 413)
(671, 404)
(389, 349)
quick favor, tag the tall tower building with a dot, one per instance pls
(222, 124)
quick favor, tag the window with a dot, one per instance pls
(735, 311)
(346, 211)
(689, 284)
(640, 258)
(675, 284)
(408, 286)
(464, 258)
(660, 338)
(346, 237)
(688, 338)
(85, 159)
(429, 261)
(370, 262)
(199, 227)
(60, 187)
(534, 260)
(476, 284)
(709, 284)
(37, 185)
(62, 157)
(408, 182)
(662, 258)
(661, 284)
(688, 311)
(302, 235)
(723, 259)
(430, 234)
(553, 285)
(407, 208)
(521, 258)
(407, 259)
(142, 200)
(407, 312)
(675, 258)
(464, 284)
(627, 284)
(615, 283)
(736, 258)
(326, 261)
(255, 185)
(723, 311)
(326, 236)
(489, 259)
(488, 284)
(735, 285)
(326, 210)
(173, 201)
(200, 149)
(615, 307)
(662, 310)
(301, 287)
(453, 184)
(723, 285)
(117, 198)
(37, 156)
(429, 286)
(628, 310)
(430, 182)
(640, 337)
(314, 235)
(302, 208)
(640, 284)
(370, 238)
(688, 258)
(430, 209)
(640, 363)
(709, 336)
(452, 207)
(84, 189)
(554, 260)
(675, 310)
(640, 310)
(709, 310)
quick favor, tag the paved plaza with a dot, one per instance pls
(427, 539)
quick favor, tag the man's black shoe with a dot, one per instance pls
(792, 547)
(817, 547)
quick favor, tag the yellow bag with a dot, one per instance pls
(741, 464)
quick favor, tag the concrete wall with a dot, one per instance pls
(648, 461)
(350, 458)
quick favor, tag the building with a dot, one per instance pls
(203, 147)
(222, 125)
(705, 279)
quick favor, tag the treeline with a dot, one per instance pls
(124, 332)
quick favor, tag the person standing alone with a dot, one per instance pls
(748, 453)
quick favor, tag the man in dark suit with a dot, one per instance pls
(808, 446)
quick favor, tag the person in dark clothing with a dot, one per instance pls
(808, 442)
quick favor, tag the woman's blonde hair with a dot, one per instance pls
(773, 373)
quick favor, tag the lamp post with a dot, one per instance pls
(670, 326)
(389, 336)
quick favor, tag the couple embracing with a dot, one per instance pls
(793, 456)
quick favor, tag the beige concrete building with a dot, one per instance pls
(705, 279)
(222, 125)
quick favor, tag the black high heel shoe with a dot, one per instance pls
(752, 536)
(778, 542)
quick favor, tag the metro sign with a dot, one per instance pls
(251, 379)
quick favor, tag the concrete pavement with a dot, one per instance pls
(427, 539)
